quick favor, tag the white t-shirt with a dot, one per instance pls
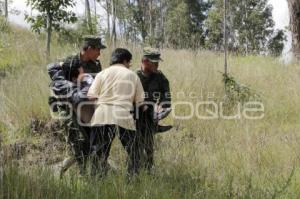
(116, 88)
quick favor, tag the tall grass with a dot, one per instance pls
(198, 158)
(176, 183)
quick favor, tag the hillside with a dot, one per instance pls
(217, 158)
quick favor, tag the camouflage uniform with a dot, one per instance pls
(157, 91)
(62, 74)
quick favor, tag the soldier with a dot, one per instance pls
(157, 100)
(64, 85)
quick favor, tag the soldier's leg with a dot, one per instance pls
(69, 160)
(76, 142)
(149, 140)
(67, 163)
(85, 133)
(149, 150)
(129, 141)
(141, 137)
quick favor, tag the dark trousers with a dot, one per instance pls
(145, 130)
(101, 139)
(78, 137)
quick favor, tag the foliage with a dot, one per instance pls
(4, 26)
(57, 11)
(74, 35)
(178, 24)
(177, 27)
(276, 43)
(250, 26)
(236, 92)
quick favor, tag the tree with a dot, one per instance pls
(294, 10)
(185, 23)
(254, 22)
(250, 25)
(108, 17)
(114, 31)
(276, 43)
(52, 15)
(6, 8)
(177, 25)
(88, 16)
(106, 5)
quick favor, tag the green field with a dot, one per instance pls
(197, 159)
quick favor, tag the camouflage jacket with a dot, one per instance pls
(156, 87)
(62, 73)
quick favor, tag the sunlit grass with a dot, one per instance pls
(198, 158)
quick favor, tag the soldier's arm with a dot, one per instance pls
(55, 71)
(59, 85)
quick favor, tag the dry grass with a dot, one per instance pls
(199, 158)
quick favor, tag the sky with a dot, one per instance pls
(280, 14)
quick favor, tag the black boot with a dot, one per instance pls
(162, 129)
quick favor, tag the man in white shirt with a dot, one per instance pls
(115, 90)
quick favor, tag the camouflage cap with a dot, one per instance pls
(152, 54)
(93, 41)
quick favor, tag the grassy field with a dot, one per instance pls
(198, 159)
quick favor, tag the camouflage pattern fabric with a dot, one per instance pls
(152, 54)
(62, 75)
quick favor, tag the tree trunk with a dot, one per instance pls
(49, 32)
(151, 18)
(108, 19)
(6, 9)
(95, 9)
(113, 33)
(142, 18)
(225, 38)
(162, 26)
(294, 10)
(96, 18)
(88, 16)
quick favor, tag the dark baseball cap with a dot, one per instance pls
(94, 41)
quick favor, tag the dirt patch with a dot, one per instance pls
(47, 146)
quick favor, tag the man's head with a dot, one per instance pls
(121, 56)
(91, 48)
(150, 60)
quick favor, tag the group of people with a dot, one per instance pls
(98, 105)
